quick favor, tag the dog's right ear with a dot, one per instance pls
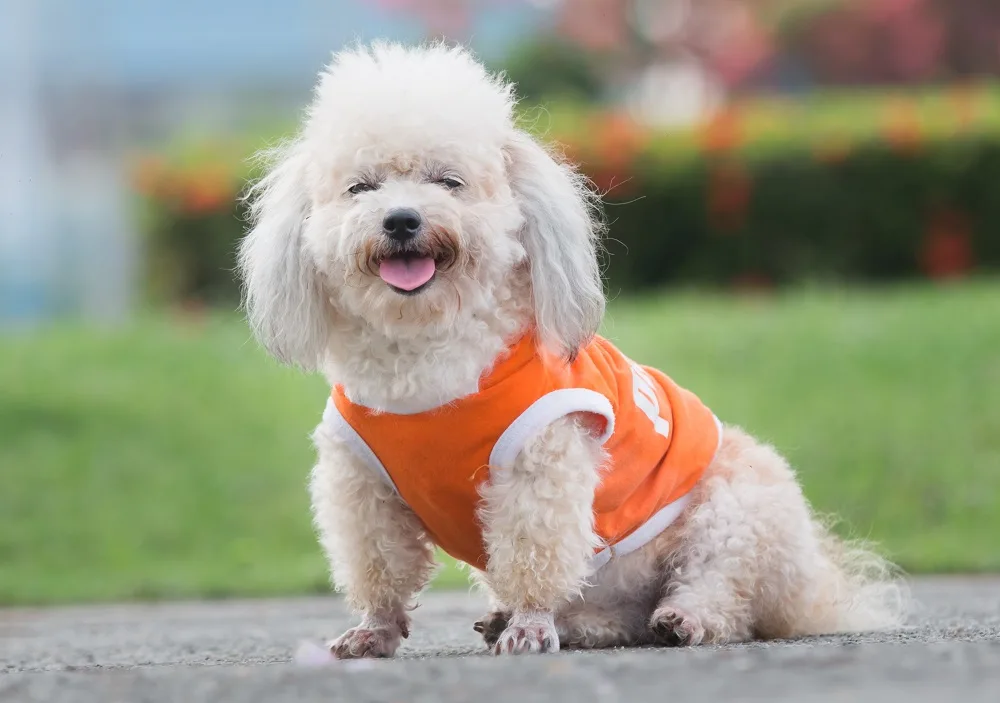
(285, 304)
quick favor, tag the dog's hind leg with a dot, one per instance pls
(713, 576)
(755, 562)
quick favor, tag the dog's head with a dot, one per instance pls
(410, 201)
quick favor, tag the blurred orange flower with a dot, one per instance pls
(902, 128)
(966, 102)
(210, 189)
(194, 191)
(832, 151)
(618, 139)
(723, 132)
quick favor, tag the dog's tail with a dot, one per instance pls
(866, 591)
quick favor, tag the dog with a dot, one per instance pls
(440, 267)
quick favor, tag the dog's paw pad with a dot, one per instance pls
(675, 628)
(365, 643)
(492, 626)
(529, 638)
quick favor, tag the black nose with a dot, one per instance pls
(402, 224)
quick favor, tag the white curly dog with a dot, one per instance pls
(405, 244)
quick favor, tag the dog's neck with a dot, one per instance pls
(418, 373)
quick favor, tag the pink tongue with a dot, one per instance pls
(406, 274)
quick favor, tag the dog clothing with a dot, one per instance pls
(659, 438)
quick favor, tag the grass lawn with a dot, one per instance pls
(169, 458)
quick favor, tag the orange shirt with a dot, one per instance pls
(660, 439)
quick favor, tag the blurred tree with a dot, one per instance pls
(899, 41)
(569, 70)
(671, 60)
(973, 47)
(730, 37)
(675, 60)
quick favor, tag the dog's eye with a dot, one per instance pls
(359, 188)
(450, 183)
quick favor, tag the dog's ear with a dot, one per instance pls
(561, 235)
(285, 304)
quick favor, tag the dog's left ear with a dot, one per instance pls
(561, 236)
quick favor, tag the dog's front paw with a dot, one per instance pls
(368, 640)
(675, 628)
(533, 633)
(492, 626)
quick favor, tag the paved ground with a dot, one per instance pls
(242, 651)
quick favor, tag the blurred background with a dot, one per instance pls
(803, 208)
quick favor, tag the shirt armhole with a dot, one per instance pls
(335, 422)
(542, 413)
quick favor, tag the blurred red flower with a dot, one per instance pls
(753, 282)
(730, 189)
(947, 246)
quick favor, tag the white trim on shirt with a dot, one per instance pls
(536, 418)
(542, 413)
(343, 429)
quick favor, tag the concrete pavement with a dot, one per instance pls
(242, 651)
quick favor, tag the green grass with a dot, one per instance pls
(169, 458)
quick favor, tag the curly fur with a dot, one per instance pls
(516, 247)
(544, 501)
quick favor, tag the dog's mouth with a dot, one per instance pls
(407, 273)
(412, 267)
